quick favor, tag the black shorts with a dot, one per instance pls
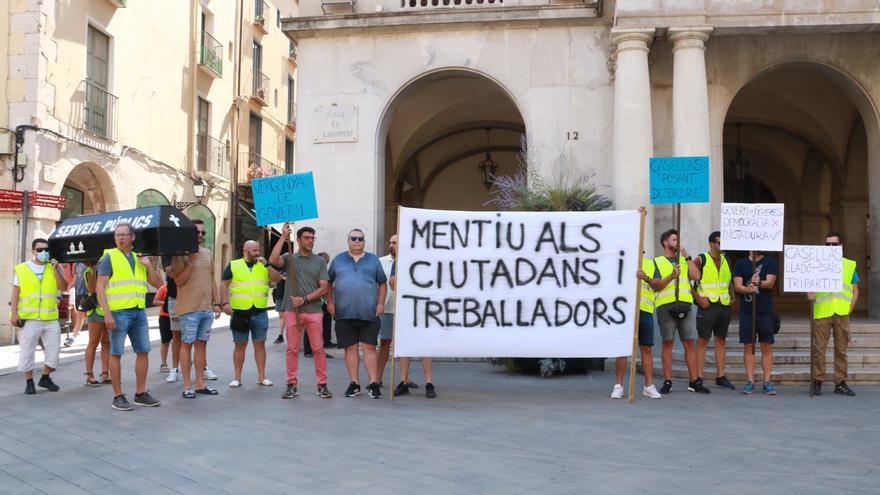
(713, 320)
(763, 327)
(350, 332)
(165, 329)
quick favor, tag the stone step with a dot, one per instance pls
(856, 359)
(781, 375)
(802, 341)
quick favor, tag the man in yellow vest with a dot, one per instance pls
(831, 311)
(35, 309)
(646, 337)
(674, 301)
(245, 297)
(122, 290)
(713, 296)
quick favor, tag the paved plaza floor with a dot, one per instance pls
(488, 432)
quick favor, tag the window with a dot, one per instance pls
(203, 112)
(255, 135)
(291, 109)
(97, 99)
(288, 156)
(258, 56)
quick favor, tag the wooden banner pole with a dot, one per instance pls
(812, 324)
(643, 212)
(394, 315)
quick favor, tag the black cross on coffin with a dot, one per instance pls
(159, 230)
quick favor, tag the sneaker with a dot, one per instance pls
(29, 387)
(68, 342)
(235, 384)
(120, 403)
(723, 382)
(429, 391)
(323, 392)
(768, 389)
(353, 390)
(401, 389)
(265, 383)
(698, 387)
(667, 387)
(651, 392)
(841, 388)
(817, 387)
(374, 391)
(279, 339)
(617, 391)
(146, 400)
(163, 368)
(748, 388)
(290, 392)
(48, 384)
(172, 376)
(412, 385)
(209, 374)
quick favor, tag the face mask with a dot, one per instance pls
(43, 256)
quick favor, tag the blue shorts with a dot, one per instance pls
(763, 327)
(196, 325)
(133, 323)
(386, 326)
(259, 326)
(646, 329)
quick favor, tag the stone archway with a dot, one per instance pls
(434, 134)
(812, 154)
(91, 189)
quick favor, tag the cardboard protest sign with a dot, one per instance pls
(813, 268)
(752, 227)
(284, 198)
(159, 230)
(516, 284)
(679, 179)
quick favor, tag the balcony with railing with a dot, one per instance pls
(291, 52)
(291, 117)
(94, 110)
(253, 166)
(260, 88)
(261, 13)
(211, 156)
(374, 8)
(211, 55)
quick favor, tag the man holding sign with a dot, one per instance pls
(831, 312)
(756, 287)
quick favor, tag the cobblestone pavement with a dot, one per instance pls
(488, 432)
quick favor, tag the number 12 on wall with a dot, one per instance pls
(572, 136)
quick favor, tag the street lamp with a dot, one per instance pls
(200, 190)
(488, 167)
(740, 164)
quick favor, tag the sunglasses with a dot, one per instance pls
(202, 232)
(356, 239)
(832, 244)
(40, 250)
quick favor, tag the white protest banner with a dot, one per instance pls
(813, 268)
(752, 227)
(516, 284)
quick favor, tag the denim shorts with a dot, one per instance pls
(646, 328)
(386, 326)
(259, 326)
(196, 325)
(131, 323)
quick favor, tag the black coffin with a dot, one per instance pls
(159, 230)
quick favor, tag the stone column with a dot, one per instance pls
(690, 125)
(633, 143)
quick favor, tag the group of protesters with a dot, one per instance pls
(674, 282)
(353, 290)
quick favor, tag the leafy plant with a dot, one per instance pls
(528, 190)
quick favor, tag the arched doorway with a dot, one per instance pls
(151, 197)
(795, 134)
(88, 189)
(435, 135)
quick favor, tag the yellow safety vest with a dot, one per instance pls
(37, 299)
(646, 298)
(836, 303)
(667, 295)
(126, 289)
(249, 287)
(715, 284)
